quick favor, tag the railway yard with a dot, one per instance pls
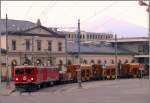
(111, 91)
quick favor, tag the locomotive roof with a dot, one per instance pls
(30, 66)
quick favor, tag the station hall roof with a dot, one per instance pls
(15, 25)
(96, 49)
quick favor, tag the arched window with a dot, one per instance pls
(105, 61)
(90, 36)
(83, 36)
(92, 62)
(119, 61)
(87, 36)
(80, 36)
(38, 61)
(99, 62)
(69, 62)
(60, 62)
(112, 61)
(27, 60)
(85, 61)
(14, 63)
(69, 35)
(49, 61)
(126, 61)
(133, 61)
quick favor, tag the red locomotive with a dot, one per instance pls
(34, 77)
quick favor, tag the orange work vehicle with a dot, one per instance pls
(129, 70)
(97, 71)
(86, 72)
(110, 71)
(71, 69)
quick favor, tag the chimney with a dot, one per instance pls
(38, 22)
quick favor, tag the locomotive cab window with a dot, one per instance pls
(19, 71)
(108, 71)
(83, 73)
(88, 73)
(29, 71)
(113, 71)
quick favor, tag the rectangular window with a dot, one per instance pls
(27, 44)
(59, 46)
(13, 44)
(146, 51)
(49, 46)
(87, 36)
(140, 48)
(69, 35)
(38, 45)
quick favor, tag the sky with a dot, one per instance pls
(124, 18)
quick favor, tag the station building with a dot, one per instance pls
(34, 43)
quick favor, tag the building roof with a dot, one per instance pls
(96, 49)
(20, 33)
(21, 27)
(130, 39)
(15, 25)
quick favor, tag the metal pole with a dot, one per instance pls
(0, 46)
(79, 70)
(149, 42)
(66, 49)
(32, 59)
(116, 64)
(7, 50)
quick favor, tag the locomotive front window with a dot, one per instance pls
(19, 71)
(29, 71)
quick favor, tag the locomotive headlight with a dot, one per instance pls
(24, 78)
(32, 79)
(16, 79)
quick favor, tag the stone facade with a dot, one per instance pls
(41, 45)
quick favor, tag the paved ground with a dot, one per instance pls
(117, 91)
(6, 88)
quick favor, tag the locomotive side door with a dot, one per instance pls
(44, 73)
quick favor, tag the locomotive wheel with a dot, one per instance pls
(42, 85)
(51, 83)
